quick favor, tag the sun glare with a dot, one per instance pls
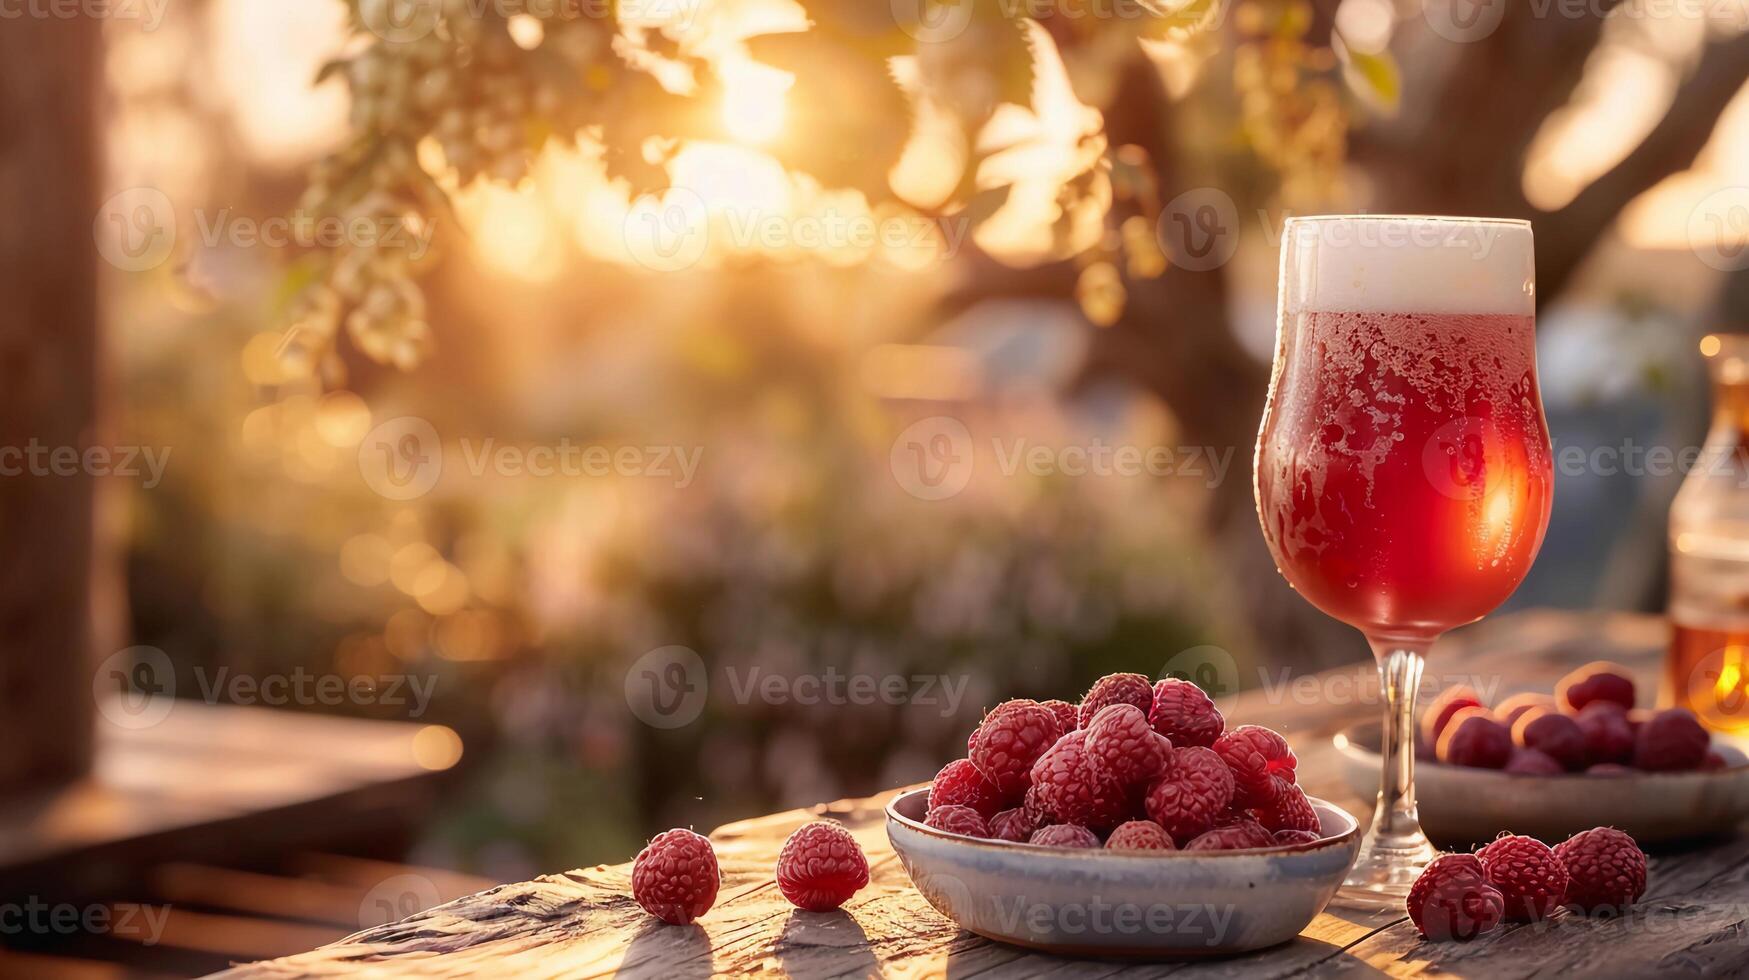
(754, 101)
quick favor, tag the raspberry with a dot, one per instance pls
(1533, 762)
(1290, 811)
(1449, 702)
(1121, 745)
(1552, 733)
(1195, 790)
(1606, 870)
(1184, 714)
(1453, 900)
(1509, 710)
(1713, 761)
(958, 820)
(1232, 815)
(1010, 740)
(1140, 835)
(1233, 837)
(1288, 838)
(1015, 825)
(1262, 763)
(1596, 681)
(1637, 718)
(1474, 738)
(1531, 879)
(1671, 741)
(1115, 689)
(675, 877)
(1607, 735)
(1068, 789)
(959, 783)
(1068, 719)
(820, 867)
(1064, 835)
(1608, 769)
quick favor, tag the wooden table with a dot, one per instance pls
(1693, 920)
(177, 820)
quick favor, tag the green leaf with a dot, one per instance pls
(1187, 19)
(331, 68)
(847, 119)
(1375, 77)
(987, 62)
(985, 203)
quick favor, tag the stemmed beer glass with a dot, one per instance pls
(1403, 470)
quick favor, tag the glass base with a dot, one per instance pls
(1383, 872)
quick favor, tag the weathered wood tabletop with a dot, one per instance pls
(1694, 919)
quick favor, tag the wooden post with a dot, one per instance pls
(49, 177)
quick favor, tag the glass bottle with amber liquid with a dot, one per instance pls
(1707, 670)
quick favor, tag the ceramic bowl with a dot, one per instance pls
(1461, 806)
(1099, 903)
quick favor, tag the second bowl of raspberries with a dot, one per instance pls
(1133, 822)
(1553, 764)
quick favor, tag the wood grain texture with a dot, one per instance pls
(1693, 921)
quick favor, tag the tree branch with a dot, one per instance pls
(1669, 148)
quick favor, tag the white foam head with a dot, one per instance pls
(1407, 264)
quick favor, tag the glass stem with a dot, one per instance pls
(1396, 826)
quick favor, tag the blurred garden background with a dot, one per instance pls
(1076, 209)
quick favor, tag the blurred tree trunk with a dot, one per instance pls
(49, 166)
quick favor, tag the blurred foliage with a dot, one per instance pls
(445, 92)
(795, 551)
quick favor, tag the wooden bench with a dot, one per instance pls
(584, 923)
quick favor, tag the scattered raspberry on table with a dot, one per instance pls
(1606, 870)
(675, 877)
(1530, 877)
(1452, 899)
(820, 867)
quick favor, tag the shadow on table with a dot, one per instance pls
(980, 957)
(825, 946)
(661, 951)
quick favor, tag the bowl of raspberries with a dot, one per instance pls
(1135, 823)
(1553, 764)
